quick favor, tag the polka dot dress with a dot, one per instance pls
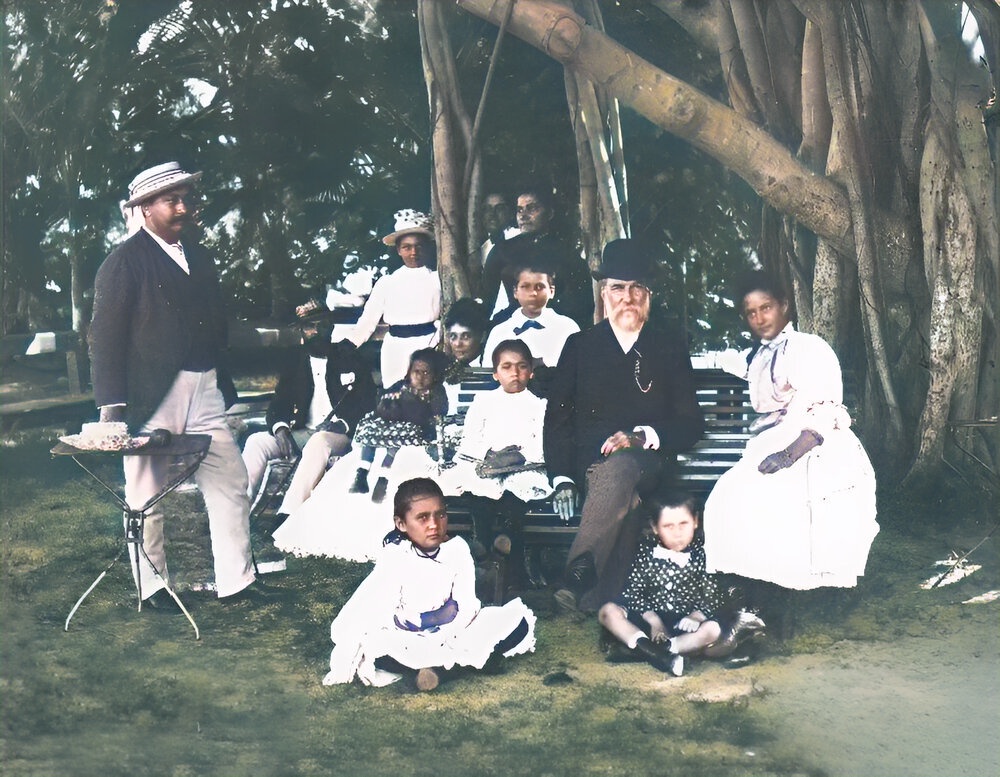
(664, 586)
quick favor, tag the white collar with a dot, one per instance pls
(174, 250)
(782, 335)
(679, 557)
(521, 318)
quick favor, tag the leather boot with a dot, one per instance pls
(360, 485)
(581, 576)
(744, 625)
(656, 654)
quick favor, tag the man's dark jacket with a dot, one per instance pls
(594, 393)
(574, 287)
(147, 316)
(349, 385)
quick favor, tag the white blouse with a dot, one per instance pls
(496, 419)
(799, 375)
(409, 295)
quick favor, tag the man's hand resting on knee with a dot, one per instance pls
(287, 446)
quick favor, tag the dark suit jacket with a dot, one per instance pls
(146, 313)
(351, 397)
(594, 393)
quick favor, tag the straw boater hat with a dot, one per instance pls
(156, 180)
(410, 222)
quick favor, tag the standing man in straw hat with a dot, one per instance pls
(622, 399)
(408, 299)
(156, 341)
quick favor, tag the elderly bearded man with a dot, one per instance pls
(622, 401)
(156, 343)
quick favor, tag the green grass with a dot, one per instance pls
(127, 693)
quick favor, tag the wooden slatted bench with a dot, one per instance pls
(725, 402)
(52, 377)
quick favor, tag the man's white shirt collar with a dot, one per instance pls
(175, 250)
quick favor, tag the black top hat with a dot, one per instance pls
(626, 259)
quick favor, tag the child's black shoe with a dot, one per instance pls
(657, 655)
(360, 484)
(378, 493)
(619, 653)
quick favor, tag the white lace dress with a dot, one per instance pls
(495, 420)
(812, 524)
(405, 583)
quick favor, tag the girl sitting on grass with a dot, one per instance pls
(417, 611)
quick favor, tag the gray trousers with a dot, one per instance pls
(194, 405)
(608, 528)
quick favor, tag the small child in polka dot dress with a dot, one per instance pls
(666, 609)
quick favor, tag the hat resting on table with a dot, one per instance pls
(626, 259)
(157, 180)
(410, 222)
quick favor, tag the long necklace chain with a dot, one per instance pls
(638, 382)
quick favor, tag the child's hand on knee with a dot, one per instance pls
(688, 624)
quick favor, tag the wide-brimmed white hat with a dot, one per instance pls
(410, 222)
(157, 179)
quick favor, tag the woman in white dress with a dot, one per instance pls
(798, 509)
(417, 610)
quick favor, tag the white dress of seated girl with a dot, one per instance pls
(811, 524)
(405, 583)
(495, 420)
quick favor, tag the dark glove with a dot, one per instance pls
(806, 441)
(510, 456)
(287, 446)
(336, 425)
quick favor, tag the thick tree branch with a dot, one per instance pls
(789, 186)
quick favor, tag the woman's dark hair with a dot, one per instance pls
(432, 357)
(758, 280)
(410, 490)
(469, 313)
(515, 346)
(663, 498)
(543, 194)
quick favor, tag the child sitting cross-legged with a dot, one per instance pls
(417, 613)
(668, 606)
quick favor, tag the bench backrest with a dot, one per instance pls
(725, 402)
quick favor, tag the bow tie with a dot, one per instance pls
(679, 557)
(529, 324)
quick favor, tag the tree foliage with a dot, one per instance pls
(309, 131)
(878, 181)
